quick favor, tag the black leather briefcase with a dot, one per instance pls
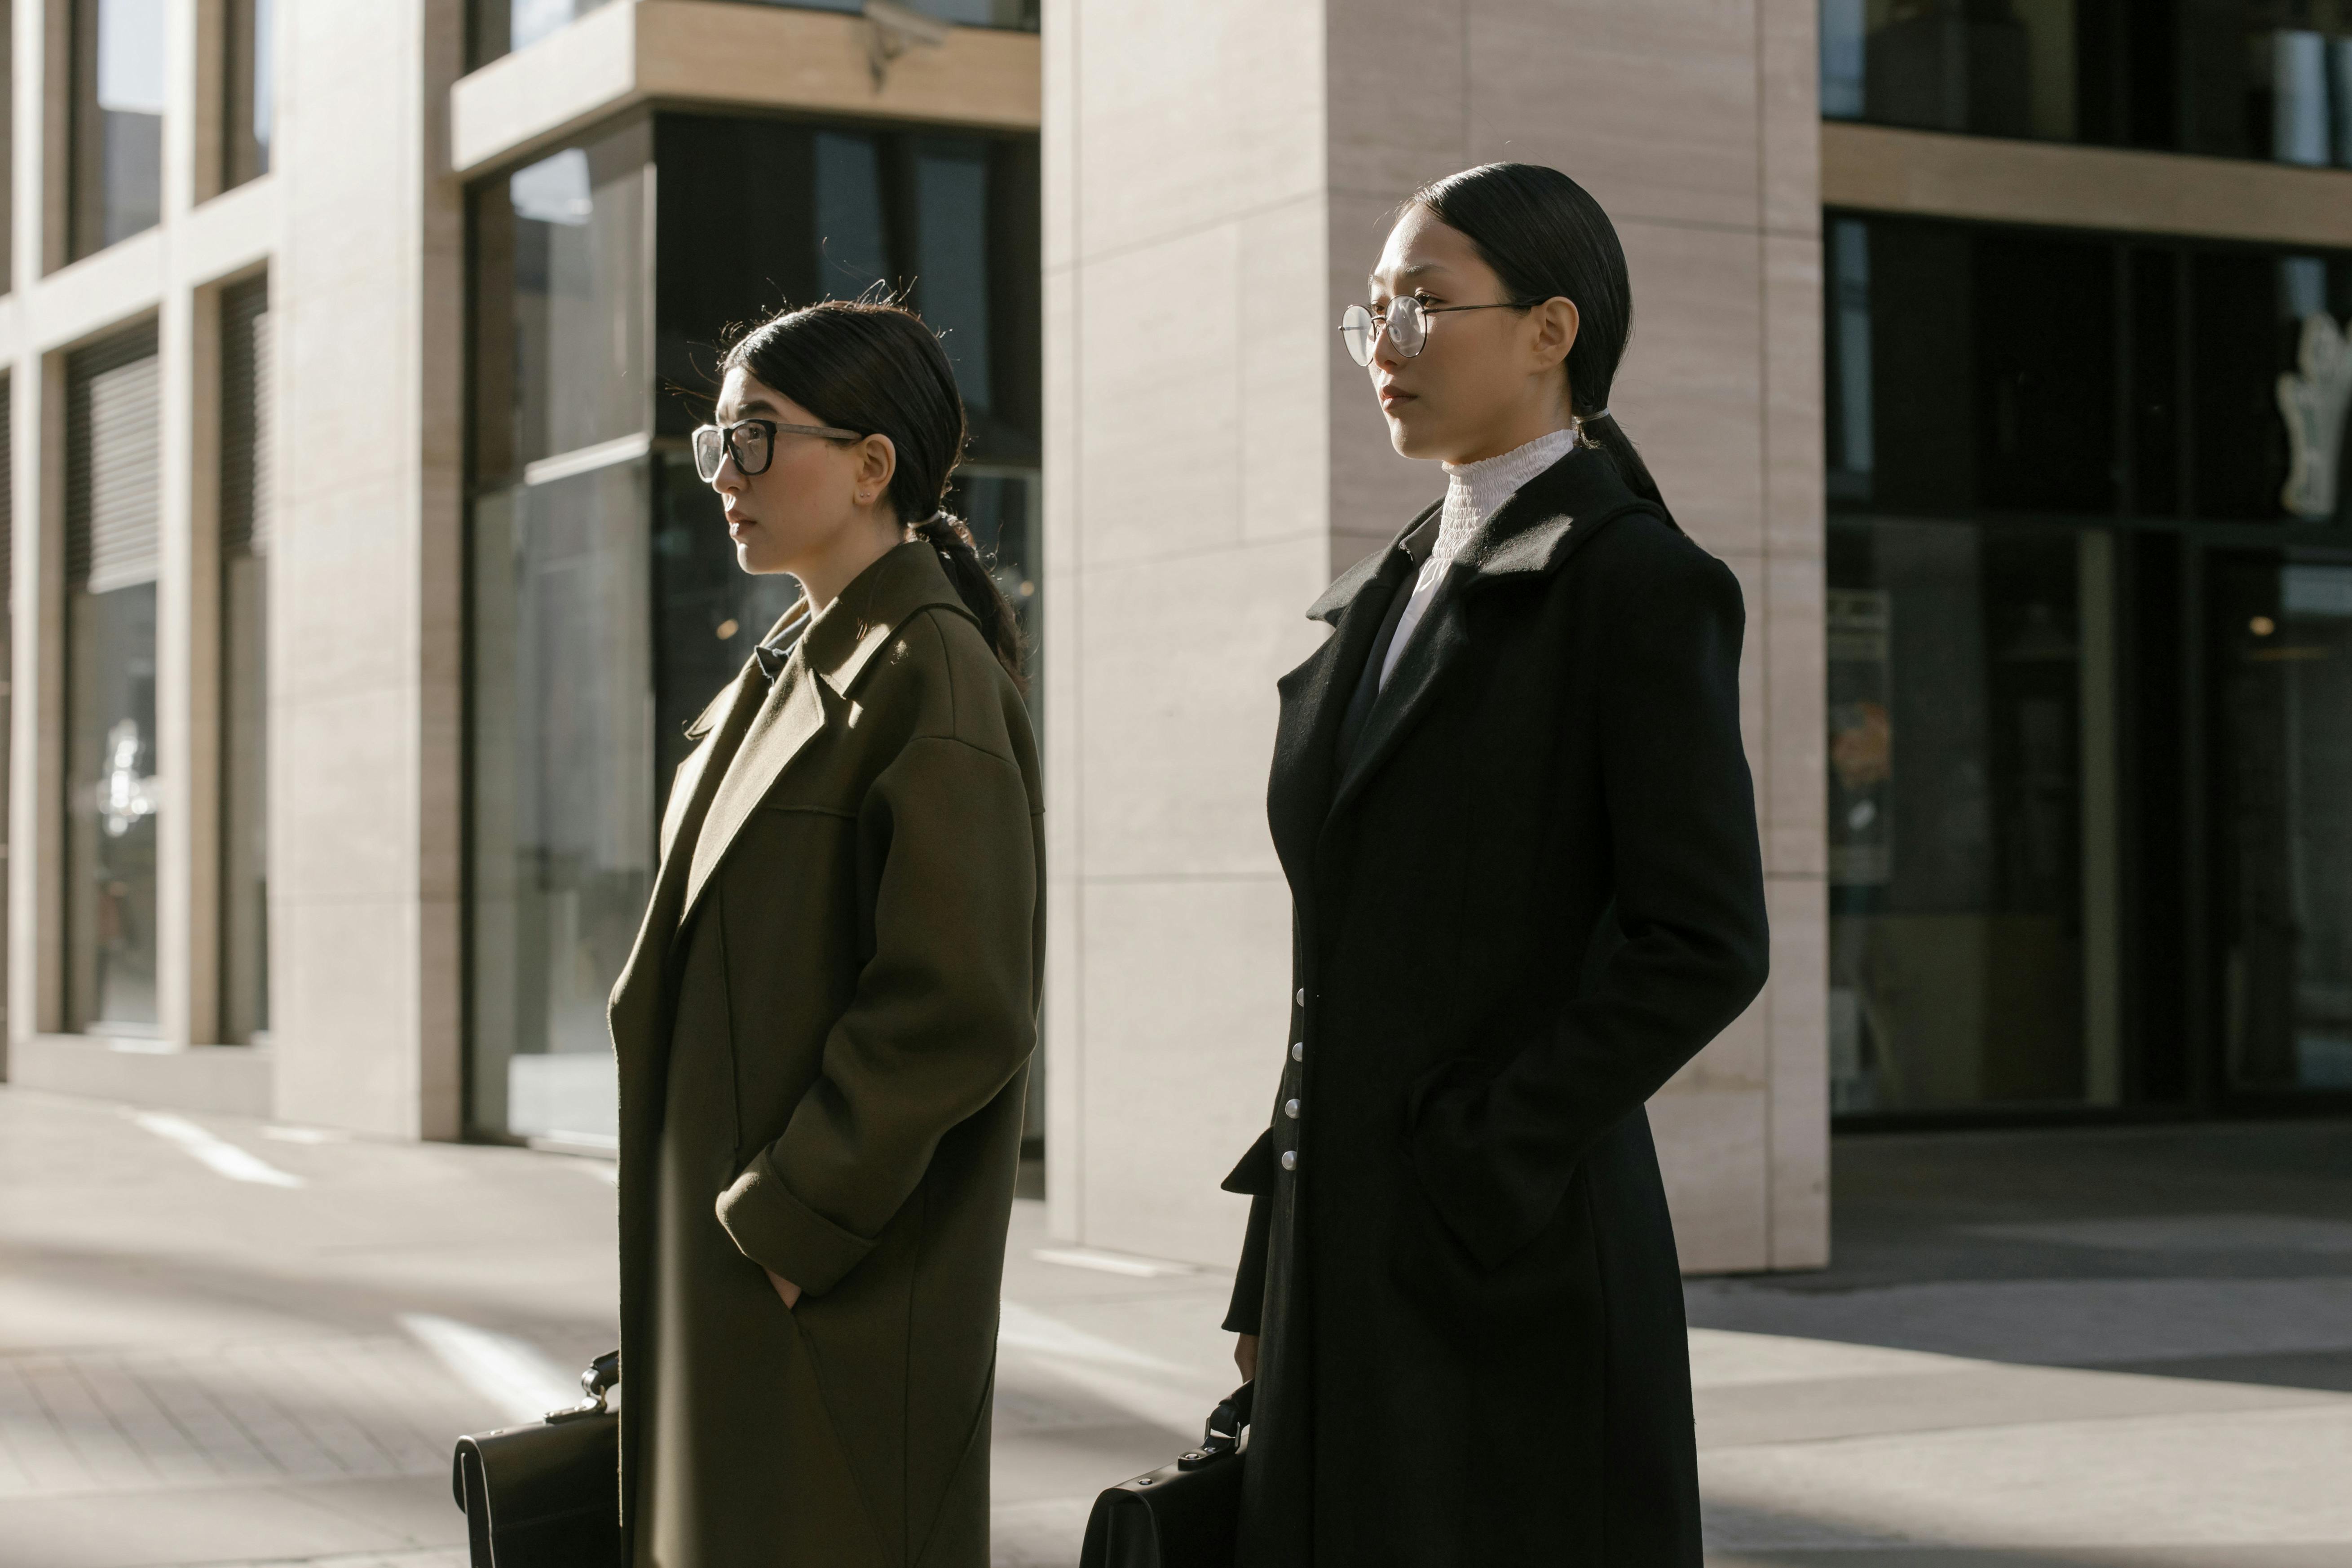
(1184, 1515)
(547, 1494)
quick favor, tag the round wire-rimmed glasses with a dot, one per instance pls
(753, 443)
(1406, 321)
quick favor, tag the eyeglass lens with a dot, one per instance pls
(1406, 327)
(751, 443)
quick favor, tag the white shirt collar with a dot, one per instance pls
(1477, 491)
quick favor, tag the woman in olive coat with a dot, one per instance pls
(1510, 797)
(824, 1027)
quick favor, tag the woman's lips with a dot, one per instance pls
(1390, 397)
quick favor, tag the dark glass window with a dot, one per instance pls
(2251, 315)
(563, 366)
(1972, 814)
(2281, 639)
(113, 473)
(607, 605)
(1970, 369)
(2233, 79)
(246, 515)
(2036, 443)
(1978, 370)
(118, 120)
(249, 99)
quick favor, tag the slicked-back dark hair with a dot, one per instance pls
(1546, 239)
(872, 366)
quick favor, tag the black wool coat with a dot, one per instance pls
(1533, 894)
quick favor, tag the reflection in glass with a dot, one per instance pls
(249, 99)
(118, 128)
(854, 250)
(110, 804)
(564, 363)
(1990, 67)
(113, 465)
(1972, 818)
(563, 797)
(2283, 641)
(2248, 315)
(708, 613)
(951, 255)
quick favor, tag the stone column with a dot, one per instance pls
(365, 588)
(1218, 177)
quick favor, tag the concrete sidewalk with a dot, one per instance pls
(227, 1343)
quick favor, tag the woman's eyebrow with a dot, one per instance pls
(752, 405)
(1419, 269)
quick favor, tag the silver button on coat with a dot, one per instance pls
(1290, 1109)
(1290, 1159)
(1302, 996)
(1299, 1050)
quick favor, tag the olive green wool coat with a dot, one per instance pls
(823, 1036)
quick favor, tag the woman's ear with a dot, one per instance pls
(877, 464)
(1556, 322)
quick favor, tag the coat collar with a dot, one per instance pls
(814, 689)
(1531, 536)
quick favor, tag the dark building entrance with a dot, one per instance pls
(2090, 675)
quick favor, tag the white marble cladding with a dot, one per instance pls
(1218, 179)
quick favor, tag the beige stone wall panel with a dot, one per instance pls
(1649, 104)
(1179, 711)
(1192, 114)
(1689, 392)
(1713, 1147)
(365, 586)
(1789, 98)
(1184, 1056)
(1401, 111)
(1881, 169)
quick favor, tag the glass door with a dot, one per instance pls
(2280, 651)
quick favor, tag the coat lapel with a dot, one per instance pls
(1532, 536)
(813, 691)
(1315, 698)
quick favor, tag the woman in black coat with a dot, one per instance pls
(1510, 797)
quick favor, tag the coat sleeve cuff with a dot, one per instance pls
(777, 1231)
(1247, 1311)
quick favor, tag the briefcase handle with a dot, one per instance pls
(1223, 1433)
(594, 1383)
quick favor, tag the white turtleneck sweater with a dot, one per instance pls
(1473, 492)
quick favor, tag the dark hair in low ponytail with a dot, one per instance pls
(959, 553)
(1546, 239)
(872, 366)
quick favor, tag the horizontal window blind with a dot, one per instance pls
(114, 465)
(245, 418)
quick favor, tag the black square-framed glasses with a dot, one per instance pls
(753, 443)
